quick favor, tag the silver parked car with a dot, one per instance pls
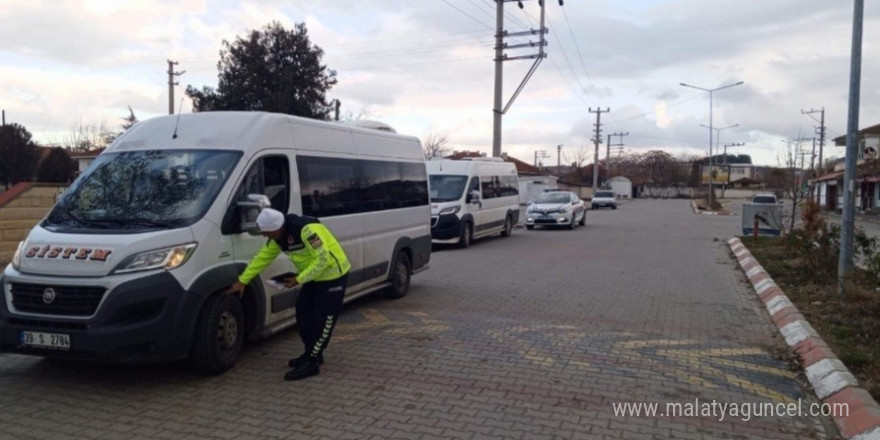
(603, 199)
(556, 208)
(764, 199)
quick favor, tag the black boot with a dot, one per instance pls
(296, 362)
(305, 370)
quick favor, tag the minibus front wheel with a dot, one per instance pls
(401, 272)
(219, 334)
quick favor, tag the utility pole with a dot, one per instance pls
(171, 84)
(597, 139)
(4, 118)
(847, 227)
(500, 57)
(540, 154)
(820, 130)
(608, 151)
(812, 153)
(558, 158)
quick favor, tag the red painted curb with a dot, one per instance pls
(787, 316)
(758, 277)
(749, 266)
(864, 412)
(771, 293)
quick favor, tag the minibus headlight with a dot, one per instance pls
(16, 258)
(451, 210)
(167, 258)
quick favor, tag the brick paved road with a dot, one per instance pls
(530, 337)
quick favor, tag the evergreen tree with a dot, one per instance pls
(19, 154)
(57, 167)
(273, 70)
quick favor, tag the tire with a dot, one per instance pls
(530, 227)
(594, 207)
(466, 236)
(573, 222)
(400, 276)
(508, 227)
(614, 207)
(219, 335)
(584, 219)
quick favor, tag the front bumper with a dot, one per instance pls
(549, 219)
(445, 228)
(150, 318)
(604, 204)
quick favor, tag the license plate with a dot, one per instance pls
(57, 341)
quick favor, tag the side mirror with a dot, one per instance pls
(249, 210)
(473, 197)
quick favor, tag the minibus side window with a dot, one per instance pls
(415, 184)
(269, 176)
(489, 187)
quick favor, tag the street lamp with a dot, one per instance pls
(717, 144)
(717, 136)
(711, 91)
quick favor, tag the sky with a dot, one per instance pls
(426, 67)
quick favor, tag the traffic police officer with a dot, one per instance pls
(322, 271)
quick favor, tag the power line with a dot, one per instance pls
(468, 15)
(477, 5)
(583, 64)
(573, 87)
(657, 111)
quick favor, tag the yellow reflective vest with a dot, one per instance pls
(313, 250)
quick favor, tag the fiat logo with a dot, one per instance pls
(49, 295)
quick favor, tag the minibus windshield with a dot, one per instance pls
(144, 189)
(447, 188)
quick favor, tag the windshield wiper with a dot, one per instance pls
(84, 222)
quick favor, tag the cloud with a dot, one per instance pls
(429, 65)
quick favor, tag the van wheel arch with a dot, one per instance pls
(215, 281)
(219, 334)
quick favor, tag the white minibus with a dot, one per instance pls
(472, 198)
(131, 262)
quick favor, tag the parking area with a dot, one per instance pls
(536, 336)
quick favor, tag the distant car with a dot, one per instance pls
(764, 199)
(556, 208)
(603, 199)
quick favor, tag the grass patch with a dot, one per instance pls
(848, 324)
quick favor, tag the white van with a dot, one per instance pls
(131, 263)
(472, 198)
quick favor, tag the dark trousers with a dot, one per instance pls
(317, 308)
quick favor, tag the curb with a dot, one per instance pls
(697, 211)
(831, 380)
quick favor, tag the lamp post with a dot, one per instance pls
(711, 91)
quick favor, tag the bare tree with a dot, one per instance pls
(434, 145)
(578, 157)
(792, 183)
(87, 136)
(360, 114)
